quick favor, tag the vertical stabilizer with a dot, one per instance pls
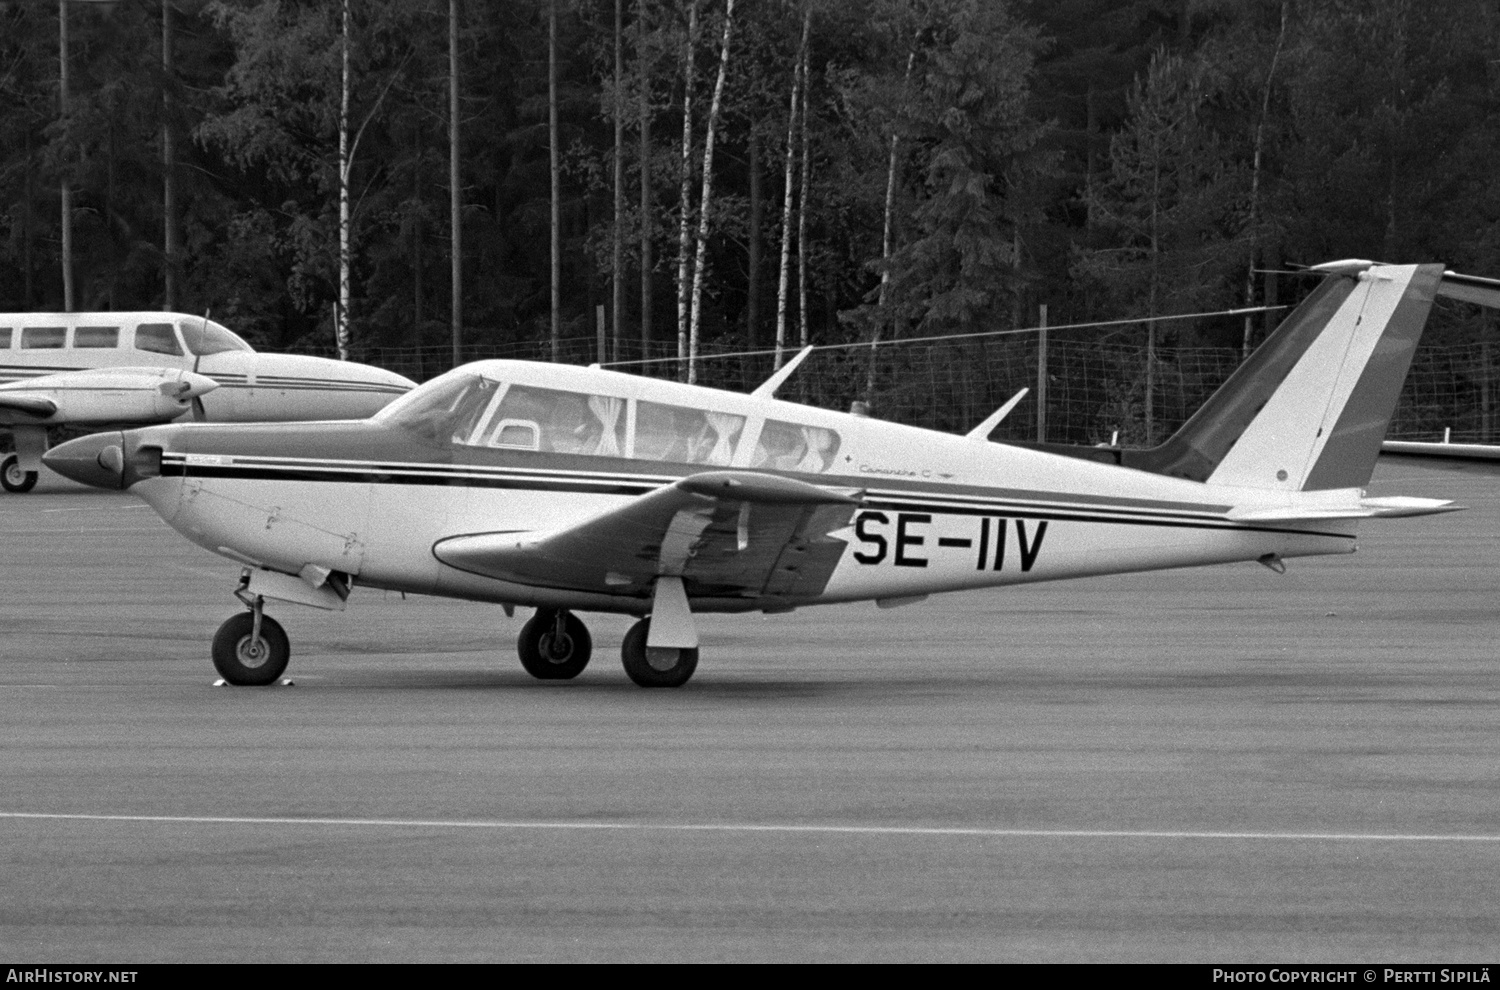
(1308, 410)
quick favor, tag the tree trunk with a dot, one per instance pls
(644, 111)
(1260, 133)
(705, 197)
(885, 248)
(65, 190)
(617, 262)
(802, 213)
(555, 167)
(414, 337)
(26, 259)
(455, 189)
(341, 328)
(753, 262)
(685, 203)
(170, 249)
(798, 68)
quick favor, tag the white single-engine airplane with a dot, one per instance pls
(96, 370)
(578, 489)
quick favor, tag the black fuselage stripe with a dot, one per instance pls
(176, 469)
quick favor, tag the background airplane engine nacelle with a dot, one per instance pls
(278, 387)
(115, 395)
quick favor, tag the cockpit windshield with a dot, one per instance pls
(207, 337)
(445, 408)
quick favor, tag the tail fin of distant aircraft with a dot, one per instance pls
(1308, 410)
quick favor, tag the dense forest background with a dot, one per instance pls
(724, 175)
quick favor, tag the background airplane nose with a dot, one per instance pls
(97, 459)
(197, 384)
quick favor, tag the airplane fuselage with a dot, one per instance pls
(935, 512)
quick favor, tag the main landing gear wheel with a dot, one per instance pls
(554, 645)
(244, 659)
(655, 666)
(13, 479)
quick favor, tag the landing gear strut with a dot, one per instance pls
(554, 645)
(251, 649)
(13, 478)
(655, 666)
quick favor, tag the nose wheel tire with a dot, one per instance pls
(242, 659)
(655, 666)
(554, 645)
(13, 479)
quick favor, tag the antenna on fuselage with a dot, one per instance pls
(983, 430)
(767, 389)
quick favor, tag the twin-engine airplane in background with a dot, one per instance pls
(577, 489)
(99, 370)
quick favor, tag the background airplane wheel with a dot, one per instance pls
(13, 479)
(548, 658)
(658, 667)
(243, 661)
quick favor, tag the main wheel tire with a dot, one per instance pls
(655, 666)
(548, 658)
(13, 479)
(246, 662)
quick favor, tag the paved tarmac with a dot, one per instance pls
(1219, 765)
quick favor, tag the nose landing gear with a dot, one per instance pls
(251, 649)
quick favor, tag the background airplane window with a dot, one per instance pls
(565, 422)
(38, 337)
(208, 337)
(96, 337)
(677, 433)
(158, 338)
(5, 338)
(792, 447)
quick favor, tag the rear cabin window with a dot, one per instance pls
(793, 447)
(680, 433)
(96, 337)
(552, 420)
(158, 338)
(43, 337)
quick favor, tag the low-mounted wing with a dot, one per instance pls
(725, 533)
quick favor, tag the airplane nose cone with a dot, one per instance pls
(98, 460)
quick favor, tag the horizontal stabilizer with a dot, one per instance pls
(1471, 289)
(1461, 451)
(1386, 507)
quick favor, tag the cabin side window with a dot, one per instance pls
(35, 338)
(680, 433)
(786, 446)
(5, 334)
(158, 338)
(554, 421)
(96, 337)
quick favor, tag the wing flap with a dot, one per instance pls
(725, 533)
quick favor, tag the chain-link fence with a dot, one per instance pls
(1095, 392)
